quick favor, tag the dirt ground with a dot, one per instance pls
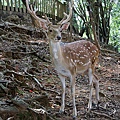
(31, 90)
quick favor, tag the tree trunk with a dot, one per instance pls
(93, 22)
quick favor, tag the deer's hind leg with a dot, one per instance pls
(90, 74)
(72, 79)
(96, 86)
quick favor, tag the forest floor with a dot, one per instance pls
(31, 90)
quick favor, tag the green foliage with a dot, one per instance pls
(14, 3)
(115, 26)
(106, 14)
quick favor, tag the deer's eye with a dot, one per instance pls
(50, 30)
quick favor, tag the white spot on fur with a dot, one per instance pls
(82, 57)
(81, 63)
(73, 62)
(86, 63)
(88, 47)
(85, 56)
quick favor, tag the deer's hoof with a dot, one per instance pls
(95, 105)
(62, 112)
(88, 110)
(74, 118)
(98, 105)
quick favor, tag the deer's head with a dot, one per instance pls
(53, 32)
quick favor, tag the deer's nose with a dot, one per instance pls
(58, 37)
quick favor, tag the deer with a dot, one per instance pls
(70, 59)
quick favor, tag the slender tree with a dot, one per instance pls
(95, 15)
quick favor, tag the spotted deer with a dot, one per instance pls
(69, 59)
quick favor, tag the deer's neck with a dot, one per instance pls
(58, 59)
(55, 49)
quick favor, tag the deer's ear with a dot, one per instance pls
(65, 26)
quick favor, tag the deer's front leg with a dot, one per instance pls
(62, 78)
(73, 96)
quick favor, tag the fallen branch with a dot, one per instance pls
(34, 78)
(42, 112)
(8, 109)
(8, 25)
(5, 89)
(35, 98)
(110, 51)
(114, 54)
(40, 85)
(20, 103)
(103, 114)
(23, 29)
(10, 118)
